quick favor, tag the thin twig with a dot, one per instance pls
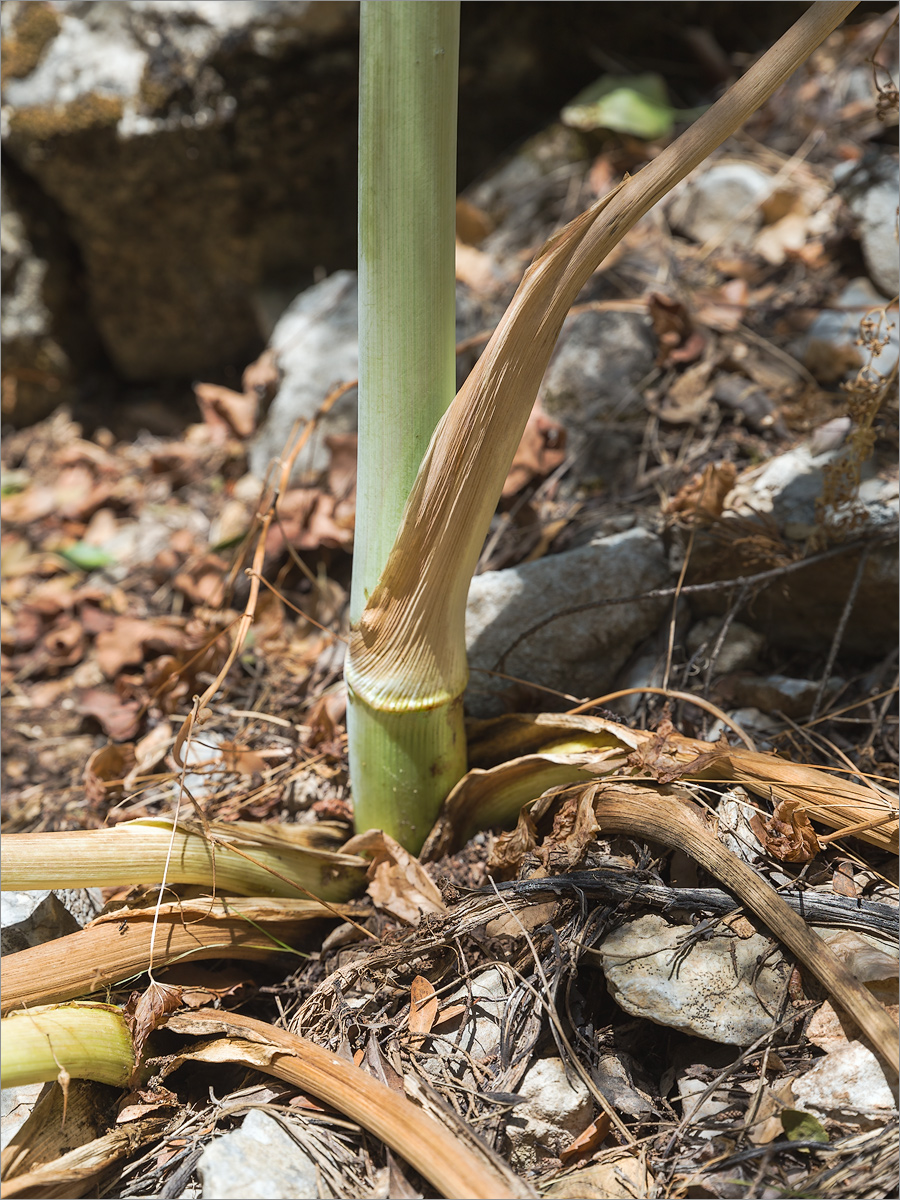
(839, 632)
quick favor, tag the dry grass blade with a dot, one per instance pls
(629, 809)
(237, 857)
(114, 948)
(452, 1169)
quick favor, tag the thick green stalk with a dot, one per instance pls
(89, 1041)
(406, 750)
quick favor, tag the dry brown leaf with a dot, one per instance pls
(689, 395)
(204, 582)
(511, 849)
(476, 270)
(398, 883)
(588, 1141)
(679, 341)
(63, 644)
(540, 452)
(723, 309)
(241, 760)
(326, 718)
(129, 639)
(472, 223)
(144, 1011)
(423, 1006)
(574, 828)
(227, 413)
(703, 496)
(105, 771)
(342, 467)
(148, 752)
(787, 834)
(446, 1015)
(118, 718)
(842, 882)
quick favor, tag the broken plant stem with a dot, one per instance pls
(84, 1041)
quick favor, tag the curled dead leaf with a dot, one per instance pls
(398, 883)
(588, 1141)
(226, 412)
(144, 1011)
(703, 496)
(105, 771)
(787, 834)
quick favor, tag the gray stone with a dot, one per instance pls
(740, 647)
(16, 1105)
(870, 189)
(37, 370)
(578, 653)
(557, 1107)
(707, 206)
(477, 1037)
(316, 348)
(714, 989)
(592, 383)
(789, 488)
(259, 1161)
(32, 918)
(779, 693)
(829, 347)
(183, 145)
(847, 1085)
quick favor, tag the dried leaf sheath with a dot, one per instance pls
(408, 650)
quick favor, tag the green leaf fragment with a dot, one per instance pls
(633, 104)
(802, 1126)
(86, 557)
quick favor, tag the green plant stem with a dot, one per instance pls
(405, 750)
(416, 614)
(88, 1041)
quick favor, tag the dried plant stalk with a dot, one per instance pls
(118, 946)
(438, 1155)
(237, 857)
(538, 751)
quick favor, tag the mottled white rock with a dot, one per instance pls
(259, 1161)
(789, 487)
(733, 815)
(316, 345)
(600, 359)
(32, 918)
(715, 990)
(579, 653)
(476, 1034)
(556, 1109)
(620, 1175)
(847, 1085)
(16, 1105)
(709, 204)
